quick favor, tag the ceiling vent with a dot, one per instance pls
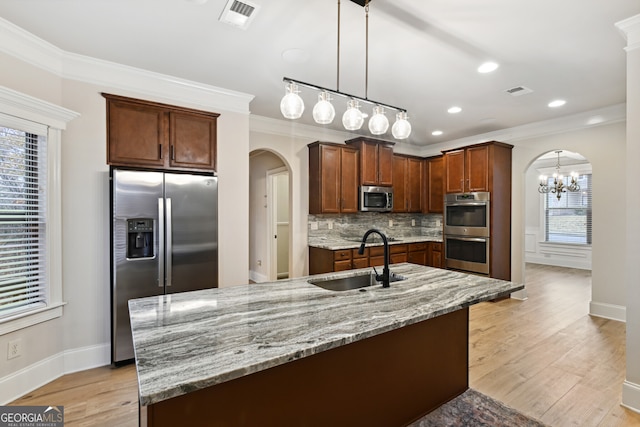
(518, 90)
(239, 13)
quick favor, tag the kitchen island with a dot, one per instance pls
(293, 353)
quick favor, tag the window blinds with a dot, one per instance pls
(569, 220)
(23, 188)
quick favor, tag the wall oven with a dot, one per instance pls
(467, 218)
(467, 214)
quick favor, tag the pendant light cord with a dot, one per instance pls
(366, 53)
(338, 53)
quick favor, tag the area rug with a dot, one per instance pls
(471, 409)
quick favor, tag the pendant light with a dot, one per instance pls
(292, 105)
(352, 118)
(323, 111)
(378, 123)
(401, 129)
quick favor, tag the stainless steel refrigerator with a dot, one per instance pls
(164, 239)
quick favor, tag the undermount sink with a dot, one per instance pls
(352, 282)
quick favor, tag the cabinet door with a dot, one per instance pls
(435, 185)
(349, 161)
(419, 257)
(400, 202)
(368, 164)
(136, 134)
(414, 185)
(434, 255)
(477, 168)
(385, 165)
(193, 141)
(330, 179)
(454, 171)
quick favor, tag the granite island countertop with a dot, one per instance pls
(336, 244)
(189, 341)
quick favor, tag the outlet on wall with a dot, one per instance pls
(413, 222)
(330, 225)
(14, 349)
(259, 262)
(390, 223)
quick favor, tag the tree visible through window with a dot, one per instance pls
(22, 221)
(568, 220)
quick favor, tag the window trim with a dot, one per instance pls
(16, 107)
(582, 169)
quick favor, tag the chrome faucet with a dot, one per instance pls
(384, 277)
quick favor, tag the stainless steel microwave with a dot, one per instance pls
(375, 199)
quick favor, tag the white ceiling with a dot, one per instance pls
(423, 54)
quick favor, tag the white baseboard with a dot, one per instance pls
(631, 396)
(581, 264)
(43, 372)
(257, 277)
(608, 311)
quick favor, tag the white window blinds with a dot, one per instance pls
(569, 219)
(23, 190)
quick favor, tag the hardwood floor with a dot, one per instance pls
(545, 357)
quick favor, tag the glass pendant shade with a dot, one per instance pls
(352, 118)
(323, 111)
(292, 105)
(378, 123)
(401, 129)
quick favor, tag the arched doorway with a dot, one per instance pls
(558, 225)
(269, 216)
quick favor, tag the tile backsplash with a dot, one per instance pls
(353, 226)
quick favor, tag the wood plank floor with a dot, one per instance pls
(545, 357)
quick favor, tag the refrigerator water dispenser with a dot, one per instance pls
(140, 238)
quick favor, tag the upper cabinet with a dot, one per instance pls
(333, 178)
(434, 185)
(407, 184)
(153, 135)
(376, 161)
(475, 168)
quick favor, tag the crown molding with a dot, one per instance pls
(630, 29)
(20, 105)
(26, 47)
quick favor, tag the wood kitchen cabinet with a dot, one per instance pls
(417, 253)
(434, 185)
(467, 170)
(434, 255)
(407, 184)
(152, 135)
(376, 161)
(333, 178)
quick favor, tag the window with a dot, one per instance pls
(23, 189)
(569, 219)
(30, 209)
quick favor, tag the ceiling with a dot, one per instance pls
(423, 55)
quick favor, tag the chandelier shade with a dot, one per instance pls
(378, 123)
(401, 129)
(352, 119)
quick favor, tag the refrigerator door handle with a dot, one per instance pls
(160, 242)
(169, 242)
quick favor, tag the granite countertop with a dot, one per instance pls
(188, 341)
(335, 244)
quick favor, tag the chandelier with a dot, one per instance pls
(292, 105)
(559, 185)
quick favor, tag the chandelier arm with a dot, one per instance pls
(343, 94)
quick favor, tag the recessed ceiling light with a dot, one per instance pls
(436, 133)
(557, 103)
(595, 120)
(454, 110)
(488, 67)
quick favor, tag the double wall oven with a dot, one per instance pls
(467, 231)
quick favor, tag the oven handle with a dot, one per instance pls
(468, 239)
(467, 204)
